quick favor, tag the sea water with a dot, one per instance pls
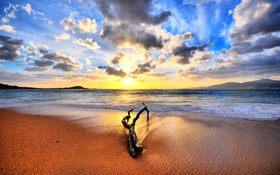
(255, 104)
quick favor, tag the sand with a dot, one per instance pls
(190, 144)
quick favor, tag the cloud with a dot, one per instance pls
(88, 61)
(65, 63)
(65, 67)
(113, 71)
(224, 52)
(12, 9)
(144, 68)
(162, 59)
(126, 28)
(265, 42)
(9, 13)
(130, 23)
(133, 12)
(43, 63)
(158, 75)
(68, 23)
(117, 58)
(88, 43)
(183, 53)
(43, 49)
(254, 18)
(61, 61)
(218, 61)
(197, 1)
(6, 76)
(7, 28)
(36, 69)
(126, 34)
(31, 48)
(9, 49)
(88, 70)
(58, 57)
(176, 46)
(27, 8)
(101, 67)
(80, 77)
(267, 63)
(203, 56)
(87, 25)
(40, 50)
(83, 26)
(63, 36)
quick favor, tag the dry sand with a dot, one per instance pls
(190, 144)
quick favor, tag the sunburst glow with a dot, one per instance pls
(129, 81)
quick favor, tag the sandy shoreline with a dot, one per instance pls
(34, 144)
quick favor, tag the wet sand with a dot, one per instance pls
(189, 144)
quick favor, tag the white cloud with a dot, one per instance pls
(83, 26)
(27, 8)
(9, 13)
(162, 59)
(7, 28)
(88, 43)
(63, 36)
(88, 61)
(31, 48)
(12, 9)
(88, 25)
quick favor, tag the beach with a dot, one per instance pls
(181, 144)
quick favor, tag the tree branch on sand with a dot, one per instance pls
(133, 142)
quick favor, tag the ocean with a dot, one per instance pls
(253, 104)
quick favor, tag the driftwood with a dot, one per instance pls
(133, 142)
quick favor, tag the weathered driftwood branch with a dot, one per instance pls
(133, 142)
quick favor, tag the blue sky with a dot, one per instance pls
(138, 44)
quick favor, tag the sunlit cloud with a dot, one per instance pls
(83, 26)
(7, 28)
(88, 43)
(117, 58)
(63, 36)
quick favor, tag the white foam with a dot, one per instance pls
(252, 111)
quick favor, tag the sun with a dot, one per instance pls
(128, 82)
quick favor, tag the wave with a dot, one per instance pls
(252, 111)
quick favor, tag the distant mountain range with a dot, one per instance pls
(258, 84)
(5, 86)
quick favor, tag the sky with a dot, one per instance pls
(138, 44)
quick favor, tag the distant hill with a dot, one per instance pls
(74, 87)
(259, 84)
(6, 86)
